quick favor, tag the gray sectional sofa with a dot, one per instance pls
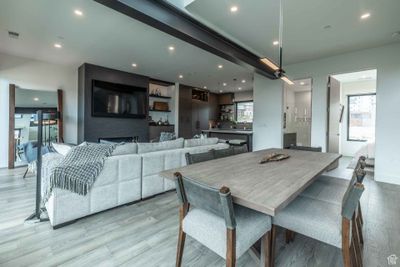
(129, 175)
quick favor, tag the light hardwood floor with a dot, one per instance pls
(145, 234)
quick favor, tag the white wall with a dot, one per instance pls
(38, 75)
(349, 148)
(267, 122)
(387, 62)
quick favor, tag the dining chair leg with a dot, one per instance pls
(26, 172)
(265, 253)
(359, 215)
(353, 257)
(356, 242)
(230, 247)
(359, 231)
(182, 235)
(346, 253)
(272, 246)
(288, 236)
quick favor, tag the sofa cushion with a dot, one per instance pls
(167, 145)
(125, 149)
(201, 142)
(62, 148)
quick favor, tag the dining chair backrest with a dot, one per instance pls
(199, 157)
(240, 149)
(353, 193)
(201, 196)
(351, 200)
(222, 153)
(358, 174)
(306, 148)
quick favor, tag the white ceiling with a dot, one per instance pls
(255, 25)
(105, 37)
(367, 75)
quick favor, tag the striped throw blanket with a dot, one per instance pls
(78, 170)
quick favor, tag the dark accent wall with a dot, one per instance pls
(92, 128)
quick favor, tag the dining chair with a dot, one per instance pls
(222, 153)
(199, 157)
(209, 216)
(306, 148)
(240, 149)
(327, 222)
(332, 190)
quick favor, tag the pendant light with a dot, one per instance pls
(279, 72)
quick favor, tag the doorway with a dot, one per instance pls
(297, 99)
(352, 115)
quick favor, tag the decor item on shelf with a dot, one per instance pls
(151, 121)
(274, 157)
(161, 106)
(166, 122)
(160, 122)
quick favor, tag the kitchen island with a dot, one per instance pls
(231, 134)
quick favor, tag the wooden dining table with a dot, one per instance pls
(267, 187)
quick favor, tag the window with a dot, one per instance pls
(361, 117)
(244, 111)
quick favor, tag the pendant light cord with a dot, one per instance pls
(280, 34)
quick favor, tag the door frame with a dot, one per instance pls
(11, 126)
(11, 122)
(328, 98)
(311, 105)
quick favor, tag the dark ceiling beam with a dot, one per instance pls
(173, 21)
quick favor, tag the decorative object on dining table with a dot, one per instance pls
(274, 157)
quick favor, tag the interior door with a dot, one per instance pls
(334, 115)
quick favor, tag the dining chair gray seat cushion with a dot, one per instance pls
(317, 219)
(328, 189)
(210, 229)
(222, 153)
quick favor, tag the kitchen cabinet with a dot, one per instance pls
(194, 114)
(225, 99)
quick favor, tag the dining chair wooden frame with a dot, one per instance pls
(230, 232)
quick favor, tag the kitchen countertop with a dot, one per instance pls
(229, 131)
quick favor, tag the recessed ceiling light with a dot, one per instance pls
(134, 65)
(171, 48)
(275, 43)
(35, 99)
(78, 12)
(58, 45)
(243, 81)
(240, 88)
(220, 66)
(365, 16)
(205, 87)
(220, 91)
(234, 9)
(180, 76)
(302, 83)
(224, 84)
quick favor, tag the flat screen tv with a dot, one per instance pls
(118, 100)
